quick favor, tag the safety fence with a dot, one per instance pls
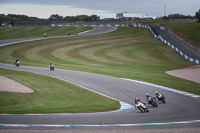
(118, 25)
(183, 48)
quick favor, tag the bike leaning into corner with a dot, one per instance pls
(160, 97)
(141, 105)
(151, 100)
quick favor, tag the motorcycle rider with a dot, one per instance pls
(50, 65)
(160, 97)
(149, 98)
(158, 94)
(17, 62)
(138, 100)
(45, 34)
(141, 105)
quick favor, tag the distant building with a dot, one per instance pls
(119, 15)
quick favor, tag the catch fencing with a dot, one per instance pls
(185, 49)
(118, 25)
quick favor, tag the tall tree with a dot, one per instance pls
(56, 17)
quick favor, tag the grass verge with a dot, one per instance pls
(127, 52)
(189, 31)
(37, 31)
(51, 96)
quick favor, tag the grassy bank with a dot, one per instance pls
(51, 96)
(127, 52)
(37, 31)
(189, 31)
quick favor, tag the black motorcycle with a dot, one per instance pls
(152, 101)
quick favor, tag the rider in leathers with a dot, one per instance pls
(149, 98)
(138, 100)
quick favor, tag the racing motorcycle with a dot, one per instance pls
(161, 98)
(142, 107)
(152, 101)
(17, 63)
(52, 67)
(45, 34)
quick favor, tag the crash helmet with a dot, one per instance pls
(156, 93)
(147, 95)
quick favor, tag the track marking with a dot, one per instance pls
(164, 88)
(109, 125)
(124, 107)
(28, 40)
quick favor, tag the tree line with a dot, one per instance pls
(14, 19)
(56, 17)
(178, 16)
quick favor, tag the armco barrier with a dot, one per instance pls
(117, 25)
(170, 45)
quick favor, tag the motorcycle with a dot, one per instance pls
(142, 107)
(152, 101)
(161, 98)
(45, 34)
(52, 67)
(17, 63)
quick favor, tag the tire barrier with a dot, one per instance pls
(154, 30)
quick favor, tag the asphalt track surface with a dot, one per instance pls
(96, 30)
(178, 107)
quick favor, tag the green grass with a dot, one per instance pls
(37, 31)
(189, 31)
(51, 96)
(127, 52)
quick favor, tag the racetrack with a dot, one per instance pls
(96, 30)
(177, 108)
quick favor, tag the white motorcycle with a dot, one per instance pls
(142, 107)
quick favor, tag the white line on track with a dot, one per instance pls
(164, 88)
(109, 125)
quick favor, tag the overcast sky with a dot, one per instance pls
(102, 8)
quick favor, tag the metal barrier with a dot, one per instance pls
(185, 49)
(177, 41)
(118, 25)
